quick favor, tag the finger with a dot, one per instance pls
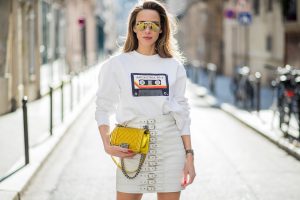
(184, 181)
(121, 154)
(124, 150)
(191, 178)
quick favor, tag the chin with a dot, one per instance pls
(148, 43)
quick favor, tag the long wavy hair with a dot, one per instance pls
(166, 45)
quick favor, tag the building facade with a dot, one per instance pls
(40, 42)
(200, 30)
(271, 39)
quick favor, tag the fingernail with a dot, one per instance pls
(130, 151)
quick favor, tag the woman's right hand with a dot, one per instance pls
(119, 151)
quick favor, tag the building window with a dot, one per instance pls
(256, 7)
(4, 21)
(270, 5)
(289, 8)
(31, 41)
(46, 18)
(269, 43)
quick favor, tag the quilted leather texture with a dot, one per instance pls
(137, 139)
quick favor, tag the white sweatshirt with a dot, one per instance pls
(132, 85)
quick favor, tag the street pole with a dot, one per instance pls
(25, 124)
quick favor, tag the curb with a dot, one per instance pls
(254, 123)
(12, 188)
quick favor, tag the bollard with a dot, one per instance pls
(51, 109)
(25, 123)
(62, 100)
(71, 93)
(258, 80)
(212, 68)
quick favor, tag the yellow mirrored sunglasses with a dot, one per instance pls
(141, 26)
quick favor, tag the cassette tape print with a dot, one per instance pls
(149, 84)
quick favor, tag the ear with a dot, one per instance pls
(160, 31)
(134, 29)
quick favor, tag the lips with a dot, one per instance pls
(147, 38)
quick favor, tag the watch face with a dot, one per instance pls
(189, 151)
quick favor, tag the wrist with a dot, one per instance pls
(107, 146)
(189, 154)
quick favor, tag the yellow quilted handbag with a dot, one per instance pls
(135, 139)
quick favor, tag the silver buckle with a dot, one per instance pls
(151, 127)
(152, 163)
(152, 157)
(151, 121)
(151, 181)
(150, 188)
(152, 151)
(144, 188)
(153, 146)
(153, 133)
(151, 175)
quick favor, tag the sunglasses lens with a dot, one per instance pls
(141, 26)
(154, 27)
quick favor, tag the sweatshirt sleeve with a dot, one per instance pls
(108, 94)
(179, 96)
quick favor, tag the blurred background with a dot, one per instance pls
(41, 41)
(242, 53)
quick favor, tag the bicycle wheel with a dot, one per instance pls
(285, 116)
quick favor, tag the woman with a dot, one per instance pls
(145, 85)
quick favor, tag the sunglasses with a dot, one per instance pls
(141, 26)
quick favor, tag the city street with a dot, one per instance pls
(242, 62)
(232, 163)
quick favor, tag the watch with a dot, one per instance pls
(191, 151)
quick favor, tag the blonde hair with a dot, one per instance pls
(166, 45)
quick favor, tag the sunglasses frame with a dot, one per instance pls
(154, 26)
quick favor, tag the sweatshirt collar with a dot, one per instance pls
(145, 57)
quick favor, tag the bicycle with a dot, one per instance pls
(287, 85)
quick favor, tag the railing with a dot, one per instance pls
(52, 89)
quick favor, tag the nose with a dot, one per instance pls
(148, 28)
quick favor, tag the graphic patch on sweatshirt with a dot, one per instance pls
(149, 84)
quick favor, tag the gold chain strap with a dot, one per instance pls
(125, 172)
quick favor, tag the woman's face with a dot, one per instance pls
(147, 27)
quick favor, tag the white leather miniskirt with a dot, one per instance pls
(162, 170)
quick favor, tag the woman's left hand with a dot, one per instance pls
(188, 171)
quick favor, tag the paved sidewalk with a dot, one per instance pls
(265, 122)
(40, 141)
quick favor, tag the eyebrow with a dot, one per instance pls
(156, 22)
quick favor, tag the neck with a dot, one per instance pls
(146, 51)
